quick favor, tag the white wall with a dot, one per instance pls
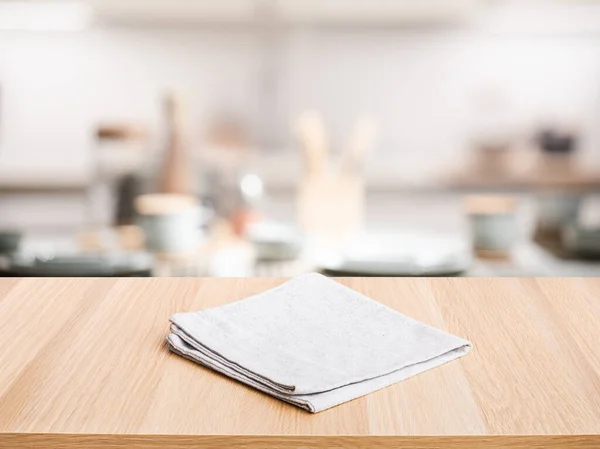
(58, 86)
(423, 88)
(420, 85)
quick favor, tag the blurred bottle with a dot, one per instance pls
(119, 157)
(175, 176)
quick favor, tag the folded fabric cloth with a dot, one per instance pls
(312, 342)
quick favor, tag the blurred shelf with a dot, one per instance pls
(570, 18)
(572, 182)
(42, 187)
(19, 180)
(284, 12)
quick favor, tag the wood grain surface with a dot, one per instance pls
(83, 364)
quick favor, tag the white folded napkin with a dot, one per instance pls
(312, 342)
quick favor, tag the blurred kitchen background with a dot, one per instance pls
(275, 137)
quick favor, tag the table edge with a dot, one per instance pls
(154, 441)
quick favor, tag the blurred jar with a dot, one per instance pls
(493, 222)
(171, 223)
(119, 160)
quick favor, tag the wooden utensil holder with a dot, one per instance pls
(331, 207)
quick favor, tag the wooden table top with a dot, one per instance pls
(83, 364)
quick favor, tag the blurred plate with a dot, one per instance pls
(84, 264)
(401, 255)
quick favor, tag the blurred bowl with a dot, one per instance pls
(558, 210)
(275, 241)
(582, 241)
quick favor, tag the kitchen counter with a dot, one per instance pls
(84, 365)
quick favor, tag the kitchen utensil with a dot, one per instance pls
(331, 207)
(311, 131)
(361, 143)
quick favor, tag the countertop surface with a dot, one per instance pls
(84, 364)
